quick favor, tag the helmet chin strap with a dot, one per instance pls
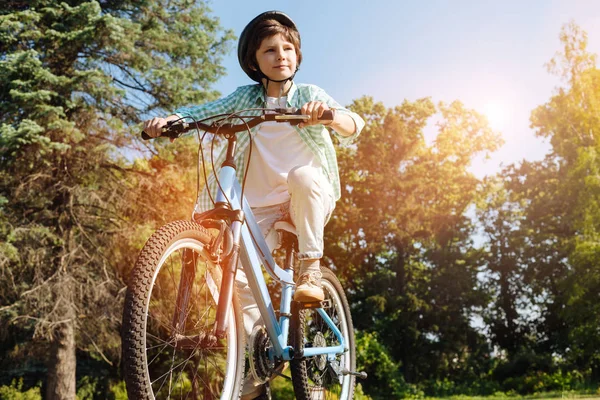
(284, 81)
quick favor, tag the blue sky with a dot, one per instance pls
(488, 54)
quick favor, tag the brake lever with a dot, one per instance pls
(172, 130)
(288, 110)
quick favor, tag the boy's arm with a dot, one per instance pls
(347, 124)
(343, 124)
(223, 105)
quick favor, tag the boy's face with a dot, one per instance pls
(276, 57)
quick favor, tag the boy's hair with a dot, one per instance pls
(267, 28)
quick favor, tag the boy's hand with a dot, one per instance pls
(154, 126)
(314, 109)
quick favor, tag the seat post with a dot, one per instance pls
(290, 244)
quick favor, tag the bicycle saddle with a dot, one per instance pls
(285, 226)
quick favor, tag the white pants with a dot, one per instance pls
(311, 204)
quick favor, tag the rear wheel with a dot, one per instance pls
(169, 348)
(316, 377)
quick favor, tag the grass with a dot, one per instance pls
(536, 396)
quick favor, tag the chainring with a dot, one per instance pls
(261, 367)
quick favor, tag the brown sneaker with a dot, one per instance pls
(308, 288)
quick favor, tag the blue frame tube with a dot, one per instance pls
(254, 259)
(313, 351)
(255, 255)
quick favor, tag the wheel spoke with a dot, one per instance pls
(313, 377)
(178, 361)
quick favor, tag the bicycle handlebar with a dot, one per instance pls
(174, 129)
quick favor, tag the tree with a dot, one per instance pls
(400, 239)
(571, 120)
(543, 221)
(75, 78)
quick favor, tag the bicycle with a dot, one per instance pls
(183, 333)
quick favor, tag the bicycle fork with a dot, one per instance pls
(229, 271)
(188, 273)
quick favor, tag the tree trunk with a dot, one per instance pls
(62, 364)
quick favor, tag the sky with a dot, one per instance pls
(490, 55)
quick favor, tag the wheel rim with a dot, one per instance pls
(321, 384)
(179, 364)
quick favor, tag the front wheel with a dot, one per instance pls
(317, 377)
(169, 347)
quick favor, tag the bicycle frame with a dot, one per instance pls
(245, 235)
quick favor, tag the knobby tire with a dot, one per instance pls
(158, 366)
(311, 376)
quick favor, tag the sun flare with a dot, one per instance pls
(495, 114)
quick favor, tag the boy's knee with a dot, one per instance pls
(302, 177)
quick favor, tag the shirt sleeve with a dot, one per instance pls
(225, 105)
(221, 106)
(359, 123)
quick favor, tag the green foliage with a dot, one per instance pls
(282, 389)
(539, 382)
(400, 239)
(543, 224)
(118, 391)
(79, 195)
(15, 392)
(75, 79)
(402, 243)
(86, 388)
(91, 387)
(385, 378)
(449, 388)
(542, 221)
(528, 372)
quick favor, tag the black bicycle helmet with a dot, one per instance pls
(282, 18)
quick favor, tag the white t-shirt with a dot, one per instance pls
(276, 149)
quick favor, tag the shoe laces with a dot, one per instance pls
(310, 278)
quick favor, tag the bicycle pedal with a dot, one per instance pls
(359, 375)
(314, 304)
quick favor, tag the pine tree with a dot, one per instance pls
(76, 77)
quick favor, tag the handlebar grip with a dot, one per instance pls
(171, 130)
(327, 116)
(165, 133)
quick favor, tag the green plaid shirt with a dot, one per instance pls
(316, 137)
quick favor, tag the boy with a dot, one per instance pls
(293, 172)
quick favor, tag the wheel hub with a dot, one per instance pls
(320, 360)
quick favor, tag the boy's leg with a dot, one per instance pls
(311, 205)
(265, 218)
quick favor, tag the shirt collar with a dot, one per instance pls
(290, 94)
